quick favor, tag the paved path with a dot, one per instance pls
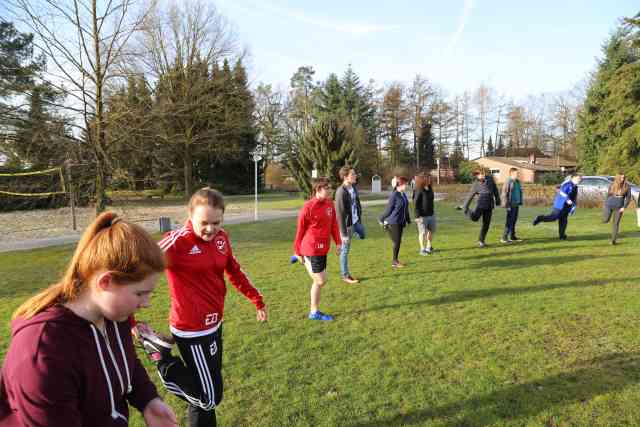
(241, 218)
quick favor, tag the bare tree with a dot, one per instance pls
(84, 41)
(483, 99)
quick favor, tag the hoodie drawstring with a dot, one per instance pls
(124, 358)
(114, 414)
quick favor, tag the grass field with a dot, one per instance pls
(541, 333)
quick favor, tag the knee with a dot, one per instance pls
(320, 282)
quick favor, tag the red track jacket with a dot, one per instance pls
(195, 274)
(316, 224)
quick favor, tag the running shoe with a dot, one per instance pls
(318, 315)
(156, 346)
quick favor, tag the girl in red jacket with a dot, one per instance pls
(71, 361)
(198, 255)
(317, 223)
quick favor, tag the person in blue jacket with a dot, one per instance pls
(396, 216)
(564, 205)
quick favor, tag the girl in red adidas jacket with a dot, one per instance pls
(317, 223)
(197, 257)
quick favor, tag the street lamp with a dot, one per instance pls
(256, 157)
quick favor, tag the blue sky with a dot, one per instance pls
(518, 47)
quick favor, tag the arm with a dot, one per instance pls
(496, 193)
(418, 212)
(340, 210)
(506, 194)
(241, 282)
(335, 232)
(301, 230)
(49, 395)
(470, 196)
(143, 391)
(627, 198)
(390, 206)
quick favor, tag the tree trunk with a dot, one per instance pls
(101, 199)
(188, 170)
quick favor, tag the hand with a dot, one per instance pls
(621, 210)
(570, 202)
(261, 314)
(338, 249)
(419, 220)
(345, 239)
(141, 327)
(159, 414)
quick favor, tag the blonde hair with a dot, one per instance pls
(618, 187)
(109, 243)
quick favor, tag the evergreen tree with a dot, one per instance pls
(490, 148)
(609, 123)
(325, 147)
(426, 145)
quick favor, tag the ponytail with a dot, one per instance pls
(124, 249)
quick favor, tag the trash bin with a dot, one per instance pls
(165, 224)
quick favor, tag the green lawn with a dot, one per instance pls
(536, 334)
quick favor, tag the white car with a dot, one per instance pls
(594, 186)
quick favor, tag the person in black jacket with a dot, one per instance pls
(396, 216)
(488, 198)
(349, 215)
(423, 197)
(618, 198)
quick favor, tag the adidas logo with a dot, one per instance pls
(195, 250)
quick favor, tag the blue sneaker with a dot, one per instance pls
(318, 315)
(424, 252)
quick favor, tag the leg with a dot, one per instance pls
(606, 213)
(319, 280)
(358, 229)
(507, 225)
(197, 380)
(344, 254)
(475, 214)
(431, 230)
(486, 222)
(617, 216)
(514, 220)
(563, 221)
(421, 232)
(553, 216)
(394, 233)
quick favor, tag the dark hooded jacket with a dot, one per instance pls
(61, 371)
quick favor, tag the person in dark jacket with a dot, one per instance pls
(349, 214)
(425, 217)
(564, 204)
(396, 216)
(488, 197)
(512, 199)
(618, 199)
(71, 361)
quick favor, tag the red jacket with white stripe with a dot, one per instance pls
(195, 274)
(317, 223)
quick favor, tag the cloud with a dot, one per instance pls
(347, 27)
(466, 13)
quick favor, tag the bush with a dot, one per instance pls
(465, 171)
(551, 178)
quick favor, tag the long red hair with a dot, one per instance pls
(109, 243)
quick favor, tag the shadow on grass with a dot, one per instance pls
(605, 374)
(470, 295)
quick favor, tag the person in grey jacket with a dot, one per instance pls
(512, 199)
(396, 216)
(618, 199)
(349, 215)
(485, 188)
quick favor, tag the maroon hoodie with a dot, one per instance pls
(60, 371)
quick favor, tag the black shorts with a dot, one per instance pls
(318, 263)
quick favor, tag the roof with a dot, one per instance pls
(544, 164)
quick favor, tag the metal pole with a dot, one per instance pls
(255, 214)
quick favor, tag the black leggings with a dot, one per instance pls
(560, 215)
(486, 221)
(395, 232)
(615, 225)
(197, 378)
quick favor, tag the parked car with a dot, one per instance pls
(594, 186)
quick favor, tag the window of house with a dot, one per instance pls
(495, 172)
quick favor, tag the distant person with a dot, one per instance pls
(71, 361)
(317, 224)
(564, 204)
(425, 217)
(349, 214)
(512, 199)
(488, 197)
(618, 199)
(198, 257)
(396, 217)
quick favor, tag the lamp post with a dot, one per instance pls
(256, 157)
